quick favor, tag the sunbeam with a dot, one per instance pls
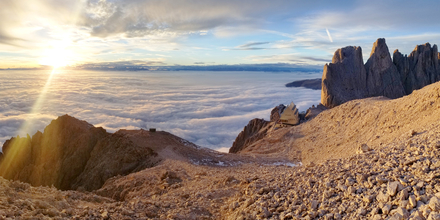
(18, 148)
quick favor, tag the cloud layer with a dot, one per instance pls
(207, 108)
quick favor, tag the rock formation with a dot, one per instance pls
(72, 154)
(418, 69)
(255, 130)
(346, 78)
(276, 112)
(314, 111)
(383, 78)
(56, 157)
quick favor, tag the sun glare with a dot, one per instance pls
(55, 58)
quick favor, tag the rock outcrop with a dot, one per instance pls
(420, 68)
(314, 111)
(383, 78)
(72, 154)
(56, 157)
(347, 78)
(255, 130)
(276, 112)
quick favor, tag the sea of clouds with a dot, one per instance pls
(207, 108)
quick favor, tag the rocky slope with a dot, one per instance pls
(398, 181)
(347, 78)
(333, 133)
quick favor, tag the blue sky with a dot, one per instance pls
(205, 32)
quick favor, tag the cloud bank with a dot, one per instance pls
(207, 108)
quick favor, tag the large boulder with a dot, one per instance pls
(383, 78)
(345, 78)
(275, 114)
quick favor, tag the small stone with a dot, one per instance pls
(382, 197)
(362, 211)
(386, 209)
(434, 204)
(434, 216)
(396, 216)
(314, 205)
(392, 188)
(403, 212)
(412, 201)
(377, 217)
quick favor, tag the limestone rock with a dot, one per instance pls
(55, 157)
(254, 131)
(276, 112)
(420, 68)
(345, 78)
(383, 78)
(434, 204)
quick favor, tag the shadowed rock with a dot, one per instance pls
(344, 79)
(255, 130)
(383, 78)
(418, 69)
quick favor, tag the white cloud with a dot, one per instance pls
(208, 108)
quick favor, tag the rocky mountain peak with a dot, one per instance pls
(347, 78)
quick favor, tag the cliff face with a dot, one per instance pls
(344, 78)
(347, 78)
(418, 69)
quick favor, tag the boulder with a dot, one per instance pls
(345, 78)
(383, 78)
(276, 112)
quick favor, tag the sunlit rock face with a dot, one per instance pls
(72, 154)
(347, 78)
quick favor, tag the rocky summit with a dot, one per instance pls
(347, 78)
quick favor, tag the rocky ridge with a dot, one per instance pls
(315, 84)
(73, 154)
(347, 78)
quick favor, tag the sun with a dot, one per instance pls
(56, 58)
